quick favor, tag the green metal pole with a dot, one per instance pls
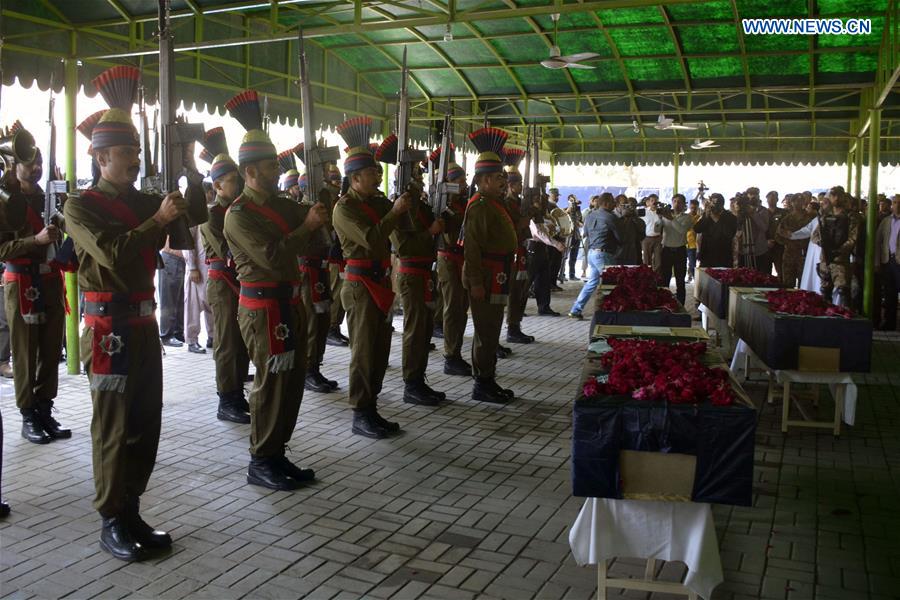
(849, 171)
(857, 185)
(72, 347)
(677, 161)
(552, 171)
(872, 213)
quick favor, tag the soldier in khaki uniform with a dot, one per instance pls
(336, 264)
(364, 220)
(837, 234)
(413, 240)
(316, 290)
(266, 233)
(792, 257)
(118, 233)
(490, 244)
(35, 309)
(518, 292)
(449, 269)
(222, 288)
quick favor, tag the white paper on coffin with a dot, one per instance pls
(673, 531)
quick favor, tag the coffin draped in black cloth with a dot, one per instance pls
(715, 295)
(776, 338)
(721, 437)
(646, 318)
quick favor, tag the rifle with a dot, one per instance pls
(441, 190)
(176, 136)
(314, 157)
(148, 167)
(54, 187)
(406, 157)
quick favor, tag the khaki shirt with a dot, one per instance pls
(21, 243)
(320, 242)
(262, 251)
(213, 231)
(453, 217)
(360, 237)
(488, 229)
(416, 241)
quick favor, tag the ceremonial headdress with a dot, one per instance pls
(387, 150)
(489, 142)
(255, 145)
(356, 132)
(512, 157)
(118, 86)
(288, 166)
(215, 152)
(454, 171)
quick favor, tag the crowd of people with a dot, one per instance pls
(812, 242)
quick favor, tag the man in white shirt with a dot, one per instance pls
(675, 225)
(195, 303)
(652, 244)
(887, 245)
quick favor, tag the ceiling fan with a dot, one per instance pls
(571, 61)
(663, 123)
(698, 145)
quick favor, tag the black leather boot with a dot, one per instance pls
(441, 396)
(118, 541)
(365, 423)
(316, 384)
(514, 335)
(503, 351)
(143, 534)
(4, 510)
(263, 471)
(456, 365)
(240, 402)
(391, 426)
(32, 429)
(336, 338)
(293, 471)
(229, 409)
(487, 390)
(329, 382)
(416, 392)
(51, 425)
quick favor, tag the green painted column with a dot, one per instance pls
(677, 161)
(872, 213)
(73, 359)
(849, 172)
(552, 170)
(858, 155)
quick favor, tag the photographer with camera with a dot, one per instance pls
(753, 225)
(574, 211)
(718, 227)
(652, 244)
(675, 224)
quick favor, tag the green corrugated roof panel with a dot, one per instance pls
(468, 52)
(642, 41)
(364, 57)
(630, 16)
(540, 80)
(391, 35)
(442, 83)
(503, 26)
(714, 67)
(847, 63)
(491, 81)
(828, 7)
(521, 49)
(417, 55)
(338, 40)
(653, 70)
(579, 41)
(778, 65)
(707, 39)
(871, 39)
(721, 9)
(765, 9)
(606, 76)
(387, 84)
(775, 43)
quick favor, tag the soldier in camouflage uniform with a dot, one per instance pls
(837, 235)
(792, 257)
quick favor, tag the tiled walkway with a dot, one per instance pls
(472, 501)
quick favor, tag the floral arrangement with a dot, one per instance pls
(800, 302)
(619, 274)
(653, 370)
(742, 276)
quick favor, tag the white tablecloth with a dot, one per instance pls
(742, 352)
(681, 531)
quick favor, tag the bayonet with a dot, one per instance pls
(406, 157)
(53, 187)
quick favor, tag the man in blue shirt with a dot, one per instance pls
(601, 230)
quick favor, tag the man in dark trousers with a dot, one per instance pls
(222, 288)
(518, 289)
(718, 228)
(266, 233)
(118, 232)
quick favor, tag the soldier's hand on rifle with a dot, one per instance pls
(477, 292)
(402, 204)
(173, 206)
(48, 235)
(437, 227)
(316, 217)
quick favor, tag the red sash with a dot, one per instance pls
(112, 316)
(269, 214)
(455, 256)
(421, 267)
(34, 220)
(276, 298)
(376, 276)
(316, 270)
(27, 274)
(221, 270)
(121, 212)
(521, 264)
(498, 266)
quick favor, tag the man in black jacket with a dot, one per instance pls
(718, 228)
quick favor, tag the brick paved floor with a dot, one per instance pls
(472, 501)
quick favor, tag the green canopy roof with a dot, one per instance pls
(763, 98)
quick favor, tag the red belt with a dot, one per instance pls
(499, 266)
(455, 256)
(220, 270)
(316, 269)
(30, 275)
(421, 267)
(373, 274)
(276, 298)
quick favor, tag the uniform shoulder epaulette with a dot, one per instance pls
(237, 205)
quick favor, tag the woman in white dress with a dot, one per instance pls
(810, 279)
